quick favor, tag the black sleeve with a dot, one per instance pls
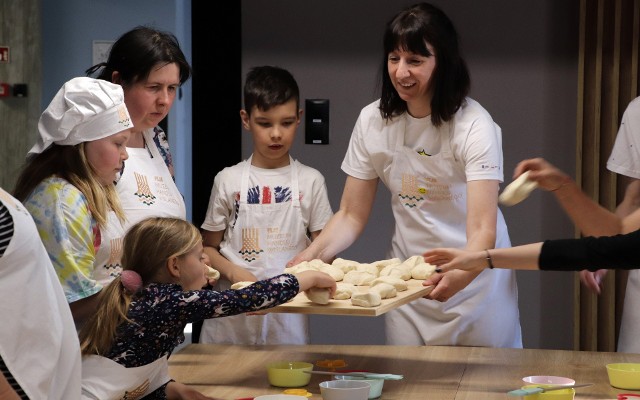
(591, 253)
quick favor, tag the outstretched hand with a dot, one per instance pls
(455, 270)
(545, 174)
(447, 259)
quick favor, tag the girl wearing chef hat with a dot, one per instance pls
(67, 186)
(142, 314)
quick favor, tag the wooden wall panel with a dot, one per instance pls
(20, 30)
(607, 82)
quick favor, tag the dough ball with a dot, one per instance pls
(399, 283)
(294, 269)
(358, 278)
(317, 263)
(517, 190)
(305, 266)
(345, 265)
(241, 285)
(423, 271)
(344, 291)
(336, 273)
(398, 271)
(383, 263)
(412, 261)
(370, 268)
(212, 273)
(369, 299)
(319, 295)
(385, 290)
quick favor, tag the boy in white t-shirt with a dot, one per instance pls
(264, 210)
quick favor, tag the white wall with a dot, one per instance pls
(523, 61)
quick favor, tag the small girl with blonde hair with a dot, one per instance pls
(142, 314)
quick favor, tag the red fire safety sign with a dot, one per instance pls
(4, 54)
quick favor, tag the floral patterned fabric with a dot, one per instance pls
(159, 313)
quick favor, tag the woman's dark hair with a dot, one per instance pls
(137, 52)
(411, 30)
(267, 86)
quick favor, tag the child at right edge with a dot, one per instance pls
(264, 210)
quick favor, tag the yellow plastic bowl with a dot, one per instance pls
(289, 373)
(624, 375)
(561, 394)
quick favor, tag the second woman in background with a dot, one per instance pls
(150, 67)
(439, 153)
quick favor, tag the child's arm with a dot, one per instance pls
(234, 273)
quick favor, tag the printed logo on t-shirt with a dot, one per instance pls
(416, 190)
(144, 193)
(250, 250)
(279, 194)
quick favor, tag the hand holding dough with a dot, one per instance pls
(517, 190)
(319, 295)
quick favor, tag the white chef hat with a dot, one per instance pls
(84, 109)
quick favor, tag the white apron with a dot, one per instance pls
(107, 263)
(105, 379)
(146, 188)
(264, 238)
(38, 339)
(629, 342)
(429, 206)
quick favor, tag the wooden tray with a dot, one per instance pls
(301, 304)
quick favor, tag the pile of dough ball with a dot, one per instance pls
(384, 278)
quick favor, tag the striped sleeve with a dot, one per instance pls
(6, 228)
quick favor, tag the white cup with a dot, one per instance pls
(344, 390)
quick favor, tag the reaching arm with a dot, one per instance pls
(346, 225)
(520, 257)
(591, 218)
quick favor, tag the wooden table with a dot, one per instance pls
(430, 372)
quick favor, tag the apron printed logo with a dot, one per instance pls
(113, 264)
(423, 153)
(250, 250)
(136, 393)
(144, 191)
(411, 195)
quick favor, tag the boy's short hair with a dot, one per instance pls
(268, 86)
